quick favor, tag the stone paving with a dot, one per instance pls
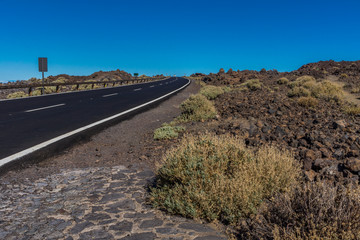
(91, 203)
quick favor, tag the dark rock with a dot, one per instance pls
(145, 174)
(96, 216)
(353, 164)
(211, 237)
(126, 204)
(341, 124)
(321, 163)
(266, 129)
(167, 230)
(279, 131)
(123, 226)
(196, 227)
(111, 197)
(96, 234)
(140, 236)
(81, 226)
(151, 223)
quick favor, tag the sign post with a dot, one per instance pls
(43, 67)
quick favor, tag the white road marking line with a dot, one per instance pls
(51, 141)
(138, 89)
(109, 95)
(38, 109)
(152, 86)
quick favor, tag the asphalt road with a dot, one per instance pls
(27, 122)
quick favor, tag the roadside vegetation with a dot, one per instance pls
(261, 191)
(197, 108)
(211, 92)
(167, 131)
(315, 210)
(19, 94)
(218, 178)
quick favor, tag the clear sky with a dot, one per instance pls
(173, 36)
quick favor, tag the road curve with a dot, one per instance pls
(29, 124)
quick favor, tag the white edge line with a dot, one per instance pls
(13, 99)
(51, 141)
(42, 108)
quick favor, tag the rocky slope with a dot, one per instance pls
(325, 139)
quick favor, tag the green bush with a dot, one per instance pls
(302, 81)
(218, 178)
(20, 94)
(311, 211)
(167, 132)
(252, 84)
(211, 92)
(282, 81)
(197, 108)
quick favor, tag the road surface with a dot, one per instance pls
(28, 122)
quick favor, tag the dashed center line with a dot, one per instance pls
(109, 95)
(138, 89)
(38, 109)
(152, 86)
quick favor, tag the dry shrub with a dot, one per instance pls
(355, 89)
(20, 94)
(211, 92)
(167, 132)
(36, 92)
(307, 86)
(312, 211)
(308, 102)
(301, 81)
(217, 177)
(352, 109)
(197, 108)
(328, 91)
(282, 81)
(299, 92)
(252, 84)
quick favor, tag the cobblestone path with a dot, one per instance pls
(92, 203)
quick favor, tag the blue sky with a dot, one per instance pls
(173, 37)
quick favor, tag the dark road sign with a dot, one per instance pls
(43, 67)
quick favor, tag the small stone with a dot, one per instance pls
(145, 174)
(341, 124)
(112, 197)
(310, 154)
(140, 236)
(96, 216)
(151, 223)
(196, 227)
(96, 234)
(81, 226)
(353, 164)
(211, 237)
(167, 230)
(123, 226)
(321, 163)
(126, 204)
